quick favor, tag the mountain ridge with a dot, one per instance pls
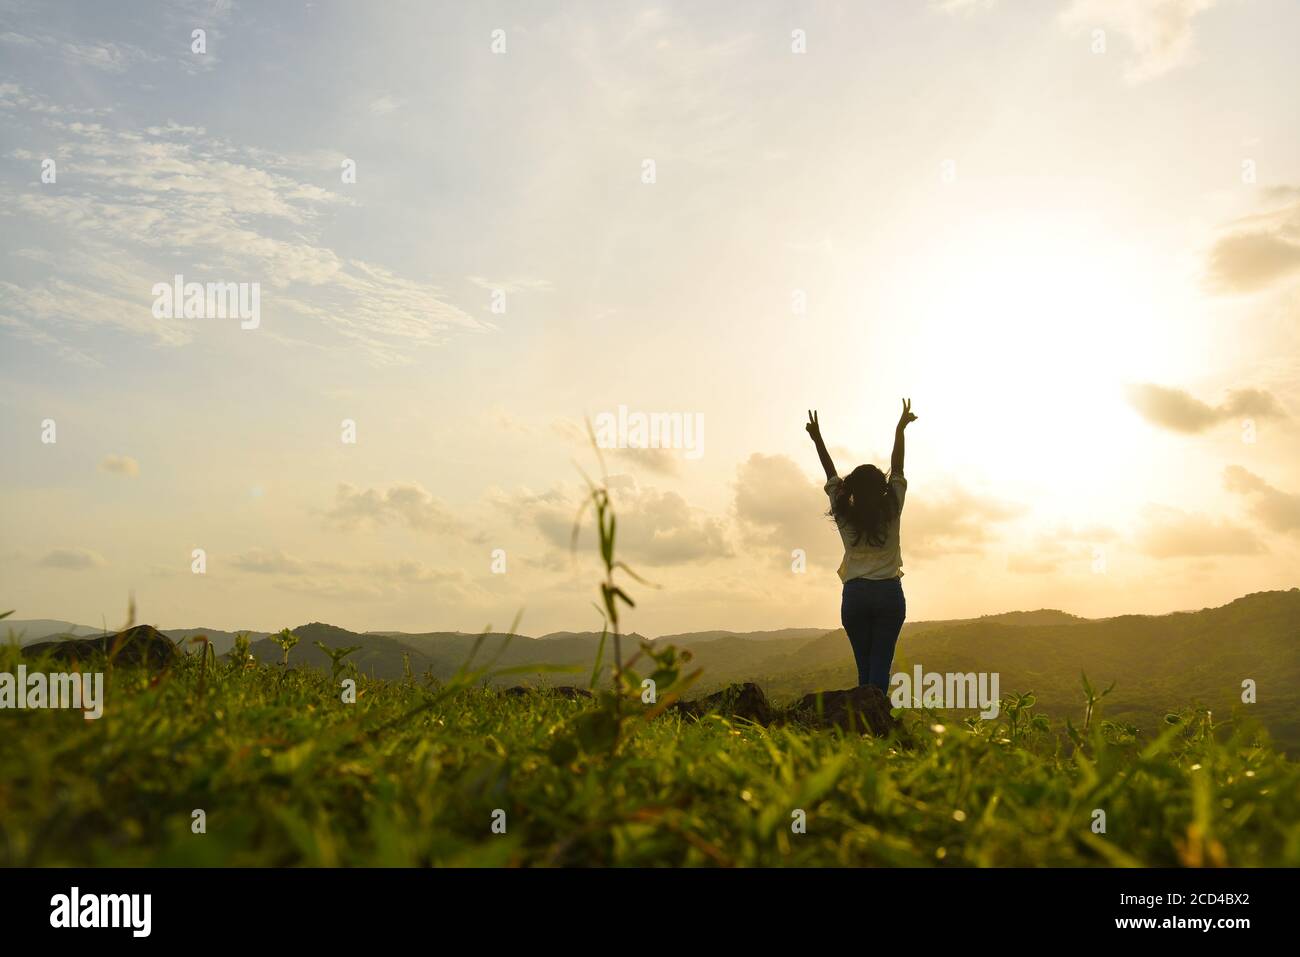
(36, 629)
(1158, 663)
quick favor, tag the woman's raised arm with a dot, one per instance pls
(815, 430)
(896, 459)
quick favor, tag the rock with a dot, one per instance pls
(863, 709)
(735, 701)
(564, 691)
(141, 645)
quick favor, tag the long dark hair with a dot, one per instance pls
(866, 504)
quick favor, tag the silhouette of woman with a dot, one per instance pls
(867, 509)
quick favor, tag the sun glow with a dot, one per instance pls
(1038, 325)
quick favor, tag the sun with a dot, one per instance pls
(1024, 330)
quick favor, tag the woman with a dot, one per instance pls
(867, 509)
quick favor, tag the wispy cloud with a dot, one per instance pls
(520, 284)
(963, 6)
(322, 576)
(953, 520)
(656, 527)
(259, 561)
(777, 505)
(172, 194)
(1276, 510)
(14, 97)
(1064, 546)
(73, 559)
(1260, 250)
(100, 55)
(1160, 32)
(403, 503)
(1166, 532)
(120, 465)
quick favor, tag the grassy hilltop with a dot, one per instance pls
(1158, 663)
(405, 750)
(286, 773)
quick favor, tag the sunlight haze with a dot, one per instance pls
(1091, 300)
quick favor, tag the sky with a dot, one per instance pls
(1068, 230)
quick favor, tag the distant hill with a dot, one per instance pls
(384, 655)
(426, 636)
(35, 629)
(1158, 663)
(379, 655)
(588, 636)
(222, 641)
(421, 634)
(781, 634)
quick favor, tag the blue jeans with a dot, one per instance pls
(872, 612)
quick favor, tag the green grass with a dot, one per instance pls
(411, 774)
(416, 771)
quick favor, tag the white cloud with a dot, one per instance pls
(1167, 532)
(136, 200)
(1180, 411)
(1273, 508)
(1159, 31)
(403, 503)
(654, 527)
(1261, 250)
(778, 506)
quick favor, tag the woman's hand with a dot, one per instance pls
(907, 416)
(813, 427)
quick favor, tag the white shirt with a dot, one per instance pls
(865, 560)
